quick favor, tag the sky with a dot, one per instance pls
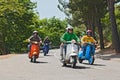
(48, 9)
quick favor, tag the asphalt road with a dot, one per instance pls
(19, 67)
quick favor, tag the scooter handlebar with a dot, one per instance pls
(70, 42)
(35, 42)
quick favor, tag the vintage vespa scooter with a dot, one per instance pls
(46, 48)
(89, 54)
(70, 55)
(34, 51)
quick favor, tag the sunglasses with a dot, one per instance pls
(70, 29)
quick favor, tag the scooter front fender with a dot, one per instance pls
(80, 54)
(34, 53)
(73, 54)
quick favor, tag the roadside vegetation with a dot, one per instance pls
(18, 20)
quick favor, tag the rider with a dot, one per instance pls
(67, 37)
(34, 37)
(46, 40)
(87, 39)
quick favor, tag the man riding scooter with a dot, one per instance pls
(67, 37)
(87, 39)
(46, 43)
(34, 46)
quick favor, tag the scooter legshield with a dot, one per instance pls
(34, 50)
(80, 54)
(46, 49)
(90, 50)
(71, 50)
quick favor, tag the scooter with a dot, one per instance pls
(70, 55)
(34, 51)
(46, 48)
(89, 54)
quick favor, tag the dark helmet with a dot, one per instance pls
(89, 32)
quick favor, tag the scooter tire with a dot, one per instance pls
(91, 61)
(44, 54)
(31, 60)
(64, 64)
(74, 61)
(34, 58)
(80, 60)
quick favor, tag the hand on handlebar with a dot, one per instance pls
(73, 41)
(69, 42)
(35, 42)
(85, 43)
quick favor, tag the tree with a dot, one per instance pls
(115, 37)
(53, 28)
(88, 12)
(16, 20)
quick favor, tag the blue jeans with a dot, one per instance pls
(63, 50)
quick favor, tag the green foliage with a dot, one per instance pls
(84, 11)
(16, 19)
(80, 30)
(53, 28)
(106, 23)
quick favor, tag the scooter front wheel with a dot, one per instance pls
(92, 59)
(64, 64)
(80, 60)
(34, 58)
(44, 53)
(74, 61)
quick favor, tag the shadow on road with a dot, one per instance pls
(98, 65)
(81, 67)
(40, 62)
(108, 56)
(94, 64)
(77, 67)
(49, 55)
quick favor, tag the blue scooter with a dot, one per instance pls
(89, 54)
(46, 48)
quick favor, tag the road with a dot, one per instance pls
(19, 67)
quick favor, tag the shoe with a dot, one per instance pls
(62, 60)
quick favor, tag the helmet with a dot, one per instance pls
(69, 27)
(35, 32)
(89, 32)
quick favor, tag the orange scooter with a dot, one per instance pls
(34, 51)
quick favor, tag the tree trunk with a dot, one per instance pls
(99, 26)
(100, 34)
(115, 36)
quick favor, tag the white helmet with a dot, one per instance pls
(35, 32)
(69, 27)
